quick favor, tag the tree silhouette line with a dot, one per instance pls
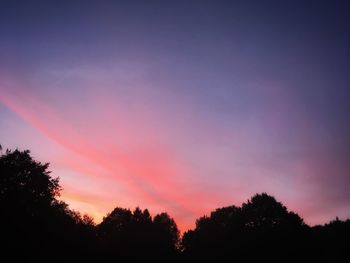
(36, 225)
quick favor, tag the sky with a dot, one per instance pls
(182, 106)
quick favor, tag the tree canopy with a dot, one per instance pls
(36, 225)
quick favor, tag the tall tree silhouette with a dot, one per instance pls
(27, 195)
(166, 234)
(33, 220)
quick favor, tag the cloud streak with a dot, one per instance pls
(186, 171)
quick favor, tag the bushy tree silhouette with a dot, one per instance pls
(26, 198)
(262, 225)
(135, 235)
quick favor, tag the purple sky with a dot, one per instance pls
(182, 106)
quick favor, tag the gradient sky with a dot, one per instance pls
(182, 106)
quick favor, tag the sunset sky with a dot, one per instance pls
(182, 106)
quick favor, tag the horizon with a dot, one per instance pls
(182, 107)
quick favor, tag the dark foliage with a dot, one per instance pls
(123, 232)
(35, 225)
(33, 222)
(262, 225)
(331, 242)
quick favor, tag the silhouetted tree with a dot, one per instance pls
(33, 220)
(134, 235)
(26, 197)
(262, 225)
(166, 235)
